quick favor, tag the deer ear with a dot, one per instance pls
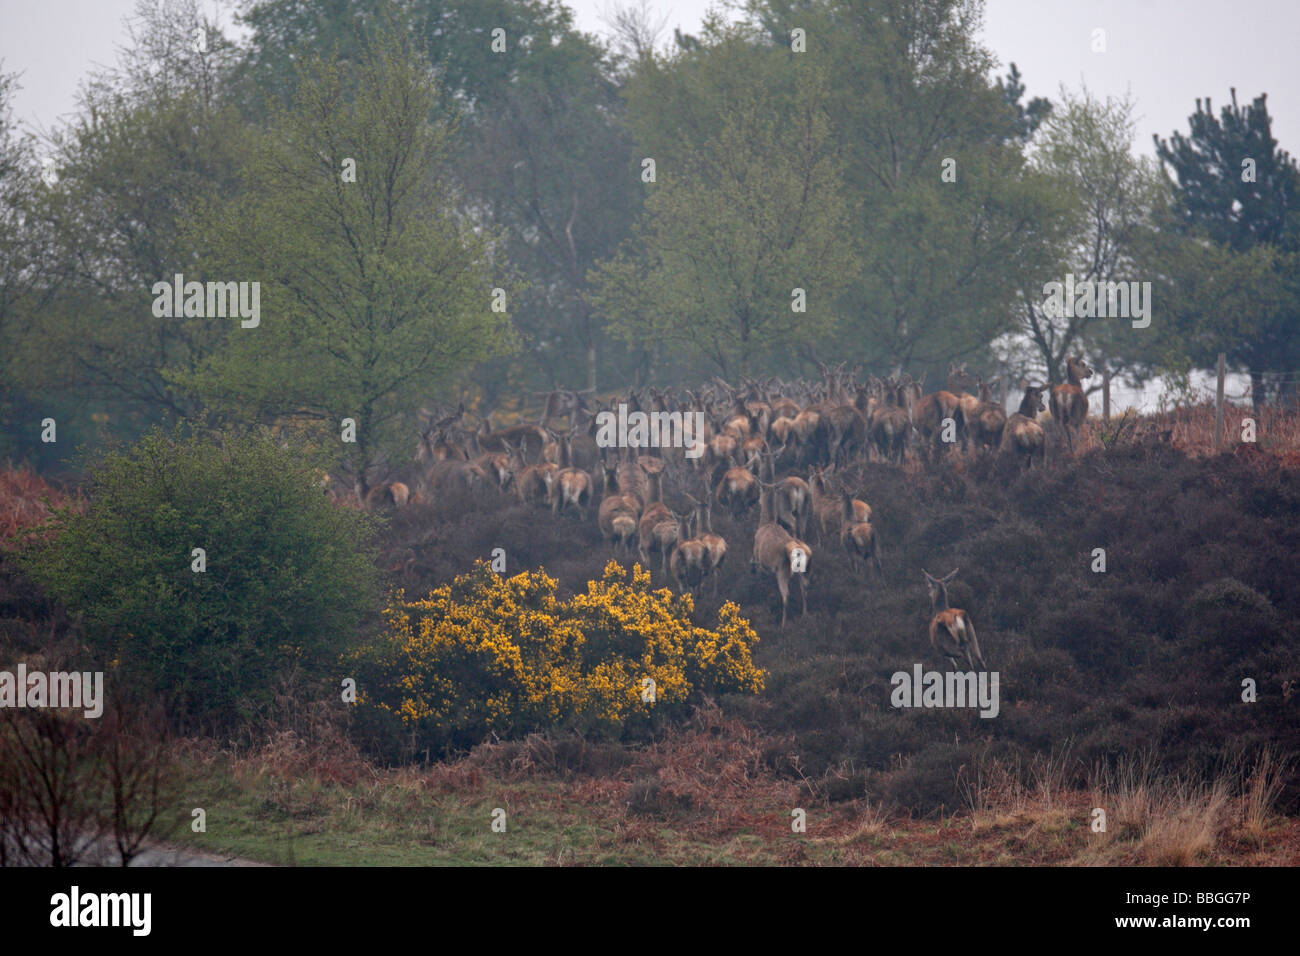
(927, 574)
(950, 576)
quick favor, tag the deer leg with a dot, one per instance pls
(783, 585)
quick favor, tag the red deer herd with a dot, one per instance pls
(755, 437)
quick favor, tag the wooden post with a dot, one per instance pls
(1105, 395)
(1218, 408)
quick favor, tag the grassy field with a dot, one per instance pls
(702, 797)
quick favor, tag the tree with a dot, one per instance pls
(1109, 199)
(1238, 190)
(153, 138)
(373, 291)
(942, 206)
(539, 149)
(25, 279)
(745, 210)
(284, 579)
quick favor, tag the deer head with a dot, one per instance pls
(938, 588)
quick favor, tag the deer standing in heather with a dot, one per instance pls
(951, 630)
(689, 561)
(715, 545)
(859, 539)
(1022, 436)
(780, 553)
(1069, 403)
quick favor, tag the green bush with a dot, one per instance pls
(289, 575)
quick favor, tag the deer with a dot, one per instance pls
(454, 473)
(829, 508)
(889, 424)
(391, 494)
(1069, 403)
(951, 630)
(572, 486)
(617, 518)
(715, 546)
(793, 498)
(859, 540)
(435, 444)
(532, 482)
(530, 439)
(689, 560)
(1022, 436)
(929, 415)
(657, 528)
(960, 383)
(780, 553)
(989, 421)
(738, 488)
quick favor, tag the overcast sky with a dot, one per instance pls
(1165, 53)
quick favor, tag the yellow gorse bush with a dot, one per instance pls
(488, 655)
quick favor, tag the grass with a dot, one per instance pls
(294, 803)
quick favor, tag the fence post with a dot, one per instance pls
(1218, 408)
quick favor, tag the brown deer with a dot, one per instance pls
(890, 424)
(1069, 403)
(715, 546)
(657, 528)
(454, 473)
(1023, 437)
(780, 553)
(738, 488)
(951, 630)
(960, 383)
(531, 440)
(859, 540)
(989, 421)
(829, 507)
(572, 486)
(617, 518)
(532, 482)
(392, 494)
(930, 415)
(689, 561)
(435, 442)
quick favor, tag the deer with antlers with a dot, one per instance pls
(1069, 403)
(951, 630)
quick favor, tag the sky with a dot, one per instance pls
(1164, 53)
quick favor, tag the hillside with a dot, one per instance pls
(1199, 593)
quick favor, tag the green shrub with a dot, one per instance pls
(289, 576)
